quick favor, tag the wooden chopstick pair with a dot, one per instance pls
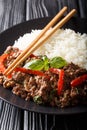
(39, 40)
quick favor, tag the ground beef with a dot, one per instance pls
(13, 54)
(43, 90)
(72, 71)
(19, 91)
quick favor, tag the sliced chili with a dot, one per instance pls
(33, 56)
(34, 72)
(60, 81)
(2, 59)
(79, 80)
(61, 78)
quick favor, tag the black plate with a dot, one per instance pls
(9, 36)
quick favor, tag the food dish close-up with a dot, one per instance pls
(73, 62)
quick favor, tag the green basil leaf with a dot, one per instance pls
(57, 62)
(46, 62)
(36, 64)
(37, 99)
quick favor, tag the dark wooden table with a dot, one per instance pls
(16, 11)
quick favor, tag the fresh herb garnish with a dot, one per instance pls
(44, 63)
(57, 62)
(37, 99)
(38, 64)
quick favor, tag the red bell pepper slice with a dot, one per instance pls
(79, 80)
(33, 56)
(28, 71)
(60, 81)
(2, 59)
(61, 78)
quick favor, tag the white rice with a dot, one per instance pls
(66, 43)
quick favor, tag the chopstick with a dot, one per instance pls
(39, 41)
(49, 25)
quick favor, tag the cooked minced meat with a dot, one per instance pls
(42, 89)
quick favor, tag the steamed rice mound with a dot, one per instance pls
(66, 43)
